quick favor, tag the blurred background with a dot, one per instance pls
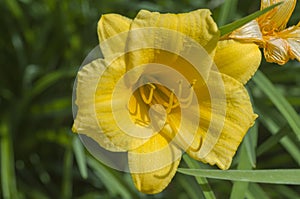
(43, 44)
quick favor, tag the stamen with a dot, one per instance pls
(187, 101)
(150, 97)
(170, 104)
(159, 97)
(163, 94)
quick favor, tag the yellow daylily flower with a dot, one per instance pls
(269, 31)
(157, 93)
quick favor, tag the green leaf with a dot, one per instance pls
(191, 188)
(80, 157)
(14, 7)
(50, 79)
(255, 191)
(8, 177)
(272, 141)
(67, 182)
(226, 29)
(280, 176)
(250, 144)
(111, 182)
(279, 101)
(207, 191)
(239, 188)
(286, 191)
(227, 10)
(268, 119)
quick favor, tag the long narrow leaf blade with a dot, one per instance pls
(279, 101)
(280, 176)
(207, 191)
(80, 157)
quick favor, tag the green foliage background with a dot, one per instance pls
(42, 46)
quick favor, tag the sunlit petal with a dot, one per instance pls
(153, 165)
(277, 51)
(238, 60)
(278, 17)
(239, 118)
(249, 32)
(111, 25)
(292, 37)
(86, 120)
(197, 25)
(104, 103)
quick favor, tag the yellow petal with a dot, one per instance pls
(278, 17)
(208, 112)
(110, 25)
(292, 36)
(239, 118)
(112, 32)
(276, 51)
(238, 60)
(153, 165)
(86, 121)
(164, 32)
(197, 24)
(248, 33)
(112, 109)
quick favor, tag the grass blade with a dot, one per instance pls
(80, 157)
(251, 143)
(239, 188)
(272, 141)
(279, 101)
(111, 182)
(255, 191)
(228, 7)
(207, 191)
(280, 176)
(226, 29)
(274, 125)
(191, 188)
(48, 80)
(287, 192)
(8, 178)
(67, 177)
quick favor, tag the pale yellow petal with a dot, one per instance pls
(110, 25)
(112, 33)
(197, 24)
(248, 33)
(292, 37)
(276, 50)
(111, 107)
(175, 33)
(86, 120)
(153, 165)
(208, 112)
(238, 60)
(239, 117)
(278, 17)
